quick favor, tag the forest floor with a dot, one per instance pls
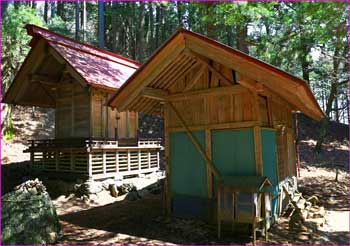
(142, 221)
(110, 220)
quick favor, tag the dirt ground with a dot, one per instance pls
(142, 221)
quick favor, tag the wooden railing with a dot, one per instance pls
(93, 143)
(107, 163)
(97, 158)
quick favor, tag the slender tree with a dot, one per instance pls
(101, 25)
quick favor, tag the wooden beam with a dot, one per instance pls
(196, 78)
(207, 160)
(251, 84)
(157, 94)
(45, 79)
(210, 67)
(229, 125)
(190, 69)
(234, 89)
(167, 196)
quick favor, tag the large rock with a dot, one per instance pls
(88, 188)
(29, 216)
(126, 188)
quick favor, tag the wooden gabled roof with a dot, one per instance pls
(185, 51)
(88, 65)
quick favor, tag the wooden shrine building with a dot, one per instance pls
(226, 114)
(77, 80)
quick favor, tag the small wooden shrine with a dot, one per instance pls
(226, 114)
(77, 80)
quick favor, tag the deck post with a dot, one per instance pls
(117, 161)
(104, 162)
(149, 159)
(139, 153)
(158, 159)
(128, 151)
(90, 164)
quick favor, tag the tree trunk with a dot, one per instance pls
(4, 6)
(230, 36)
(242, 34)
(210, 25)
(46, 9)
(157, 26)
(304, 58)
(77, 20)
(329, 104)
(101, 25)
(84, 20)
(141, 33)
(114, 22)
(60, 10)
(53, 9)
(151, 28)
(179, 14)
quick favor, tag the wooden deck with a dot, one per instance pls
(97, 159)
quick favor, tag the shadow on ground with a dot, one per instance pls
(140, 221)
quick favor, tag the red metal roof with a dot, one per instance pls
(96, 66)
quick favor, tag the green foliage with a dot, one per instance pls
(15, 40)
(14, 49)
(60, 26)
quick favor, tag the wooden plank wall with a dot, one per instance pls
(72, 111)
(233, 110)
(109, 123)
(214, 109)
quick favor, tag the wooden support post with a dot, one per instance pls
(158, 159)
(149, 159)
(195, 143)
(257, 150)
(128, 160)
(139, 157)
(117, 161)
(219, 212)
(104, 162)
(90, 164)
(167, 197)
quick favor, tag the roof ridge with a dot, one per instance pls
(30, 32)
(87, 52)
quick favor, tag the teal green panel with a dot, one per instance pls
(187, 167)
(233, 152)
(268, 143)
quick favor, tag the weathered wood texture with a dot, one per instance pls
(72, 111)
(97, 160)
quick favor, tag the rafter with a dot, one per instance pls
(196, 78)
(157, 94)
(210, 67)
(251, 84)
